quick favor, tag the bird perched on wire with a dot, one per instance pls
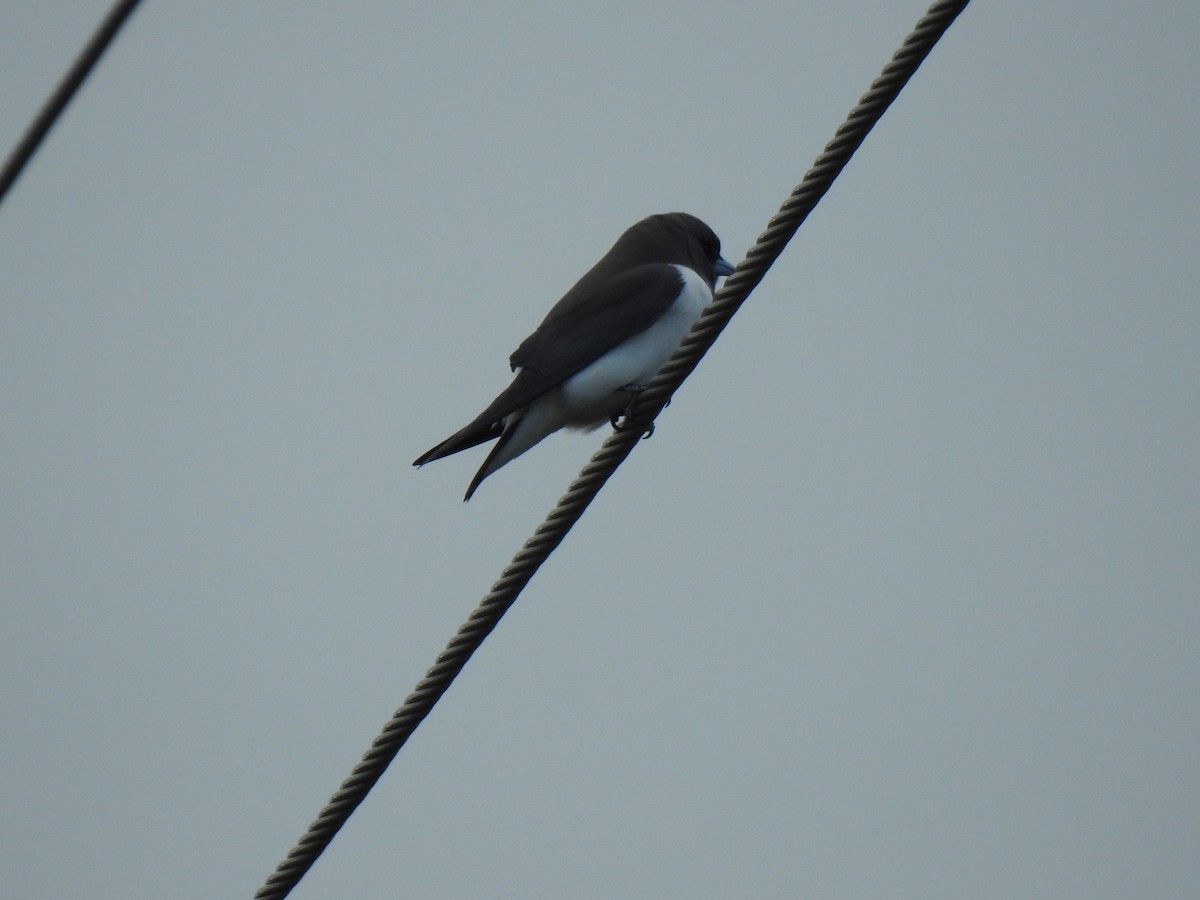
(600, 344)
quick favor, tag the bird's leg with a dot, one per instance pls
(634, 391)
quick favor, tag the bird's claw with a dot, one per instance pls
(620, 420)
(619, 423)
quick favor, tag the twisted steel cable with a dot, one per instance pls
(612, 453)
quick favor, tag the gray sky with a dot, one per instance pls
(900, 601)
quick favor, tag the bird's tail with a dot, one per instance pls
(471, 436)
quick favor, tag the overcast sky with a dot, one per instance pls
(901, 600)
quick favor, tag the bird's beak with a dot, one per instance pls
(723, 266)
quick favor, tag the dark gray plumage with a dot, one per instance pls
(607, 336)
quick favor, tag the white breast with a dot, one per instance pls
(590, 392)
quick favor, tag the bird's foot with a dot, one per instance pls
(620, 421)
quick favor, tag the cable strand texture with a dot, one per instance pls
(737, 287)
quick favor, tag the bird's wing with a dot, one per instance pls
(581, 328)
(591, 320)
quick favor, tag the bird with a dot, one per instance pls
(599, 345)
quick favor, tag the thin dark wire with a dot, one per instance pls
(57, 102)
(614, 450)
